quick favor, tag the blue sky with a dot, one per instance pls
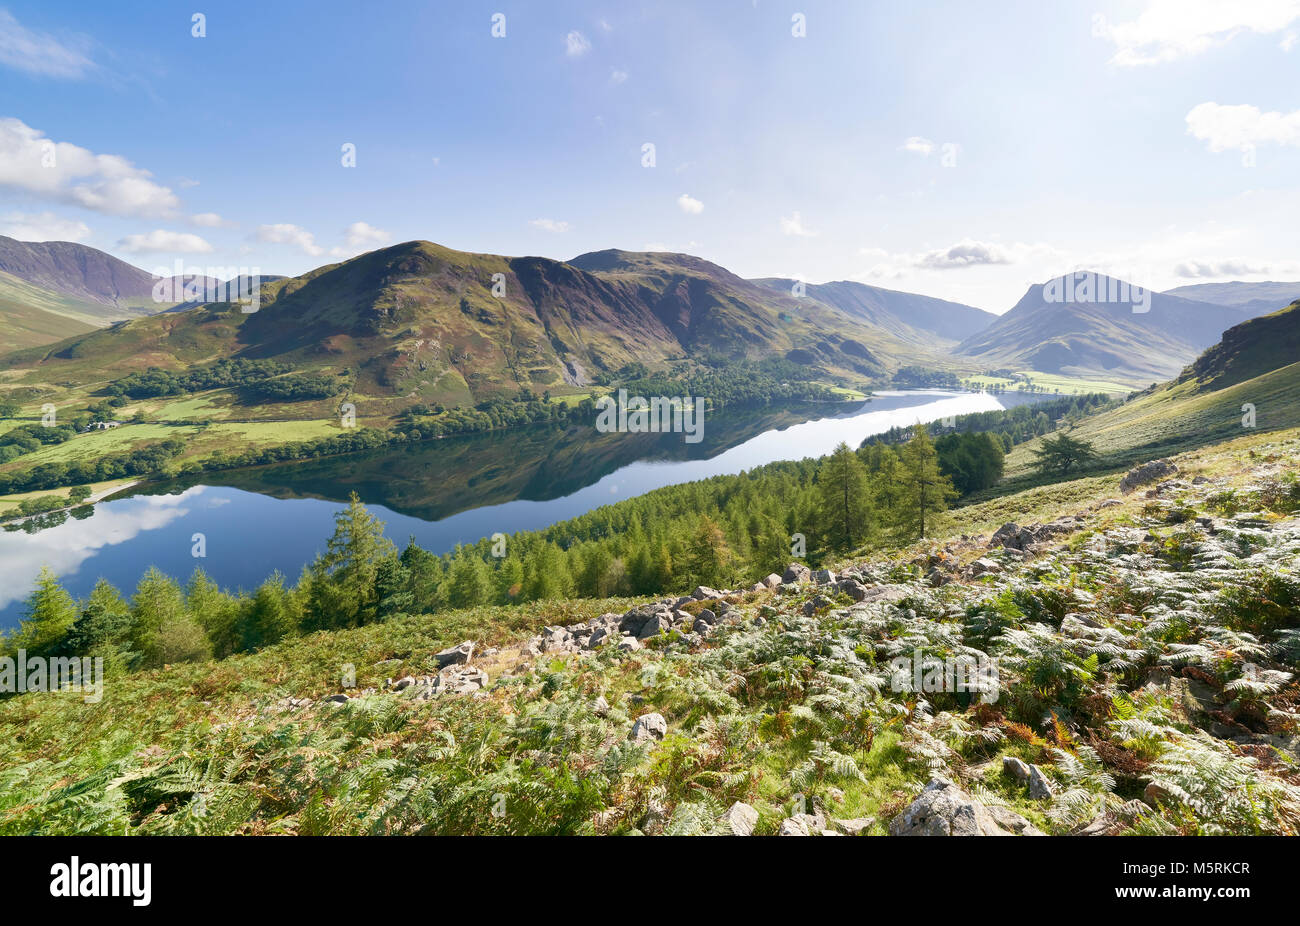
(956, 149)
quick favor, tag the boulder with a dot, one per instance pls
(943, 809)
(1008, 535)
(628, 644)
(772, 580)
(853, 588)
(1146, 473)
(796, 573)
(740, 819)
(1040, 786)
(824, 577)
(802, 824)
(984, 567)
(854, 827)
(653, 627)
(648, 727)
(704, 593)
(708, 616)
(458, 654)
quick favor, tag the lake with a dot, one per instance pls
(442, 492)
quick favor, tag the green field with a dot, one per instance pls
(1054, 382)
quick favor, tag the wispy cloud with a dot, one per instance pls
(550, 225)
(161, 241)
(794, 226)
(293, 235)
(41, 54)
(42, 226)
(1168, 30)
(576, 44)
(918, 145)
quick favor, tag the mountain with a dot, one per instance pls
(915, 318)
(421, 322)
(106, 286)
(1248, 382)
(1087, 324)
(1250, 298)
(30, 316)
(1248, 350)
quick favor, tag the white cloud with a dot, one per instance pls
(292, 235)
(617, 77)
(1209, 269)
(689, 204)
(1168, 30)
(359, 237)
(550, 225)
(576, 44)
(918, 145)
(208, 220)
(34, 164)
(1225, 128)
(42, 54)
(965, 253)
(162, 241)
(42, 226)
(794, 226)
(1288, 42)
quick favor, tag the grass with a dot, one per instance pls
(96, 443)
(272, 432)
(1053, 382)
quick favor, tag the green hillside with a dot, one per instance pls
(1254, 366)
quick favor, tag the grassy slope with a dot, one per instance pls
(1253, 365)
(214, 748)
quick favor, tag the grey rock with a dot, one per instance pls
(796, 573)
(772, 580)
(824, 577)
(854, 827)
(648, 727)
(943, 809)
(741, 819)
(704, 593)
(629, 644)
(1040, 786)
(853, 588)
(460, 653)
(1146, 473)
(653, 627)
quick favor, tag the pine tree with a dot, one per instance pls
(467, 581)
(708, 555)
(49, 615)
(844, 499)
(927, 491)
(547, 574)
(343, 592)
(103, 627)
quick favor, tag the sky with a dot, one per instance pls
(959, 150)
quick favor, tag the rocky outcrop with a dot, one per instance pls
(943, 809)
(1145, 474)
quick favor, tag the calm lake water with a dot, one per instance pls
(441, 493)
